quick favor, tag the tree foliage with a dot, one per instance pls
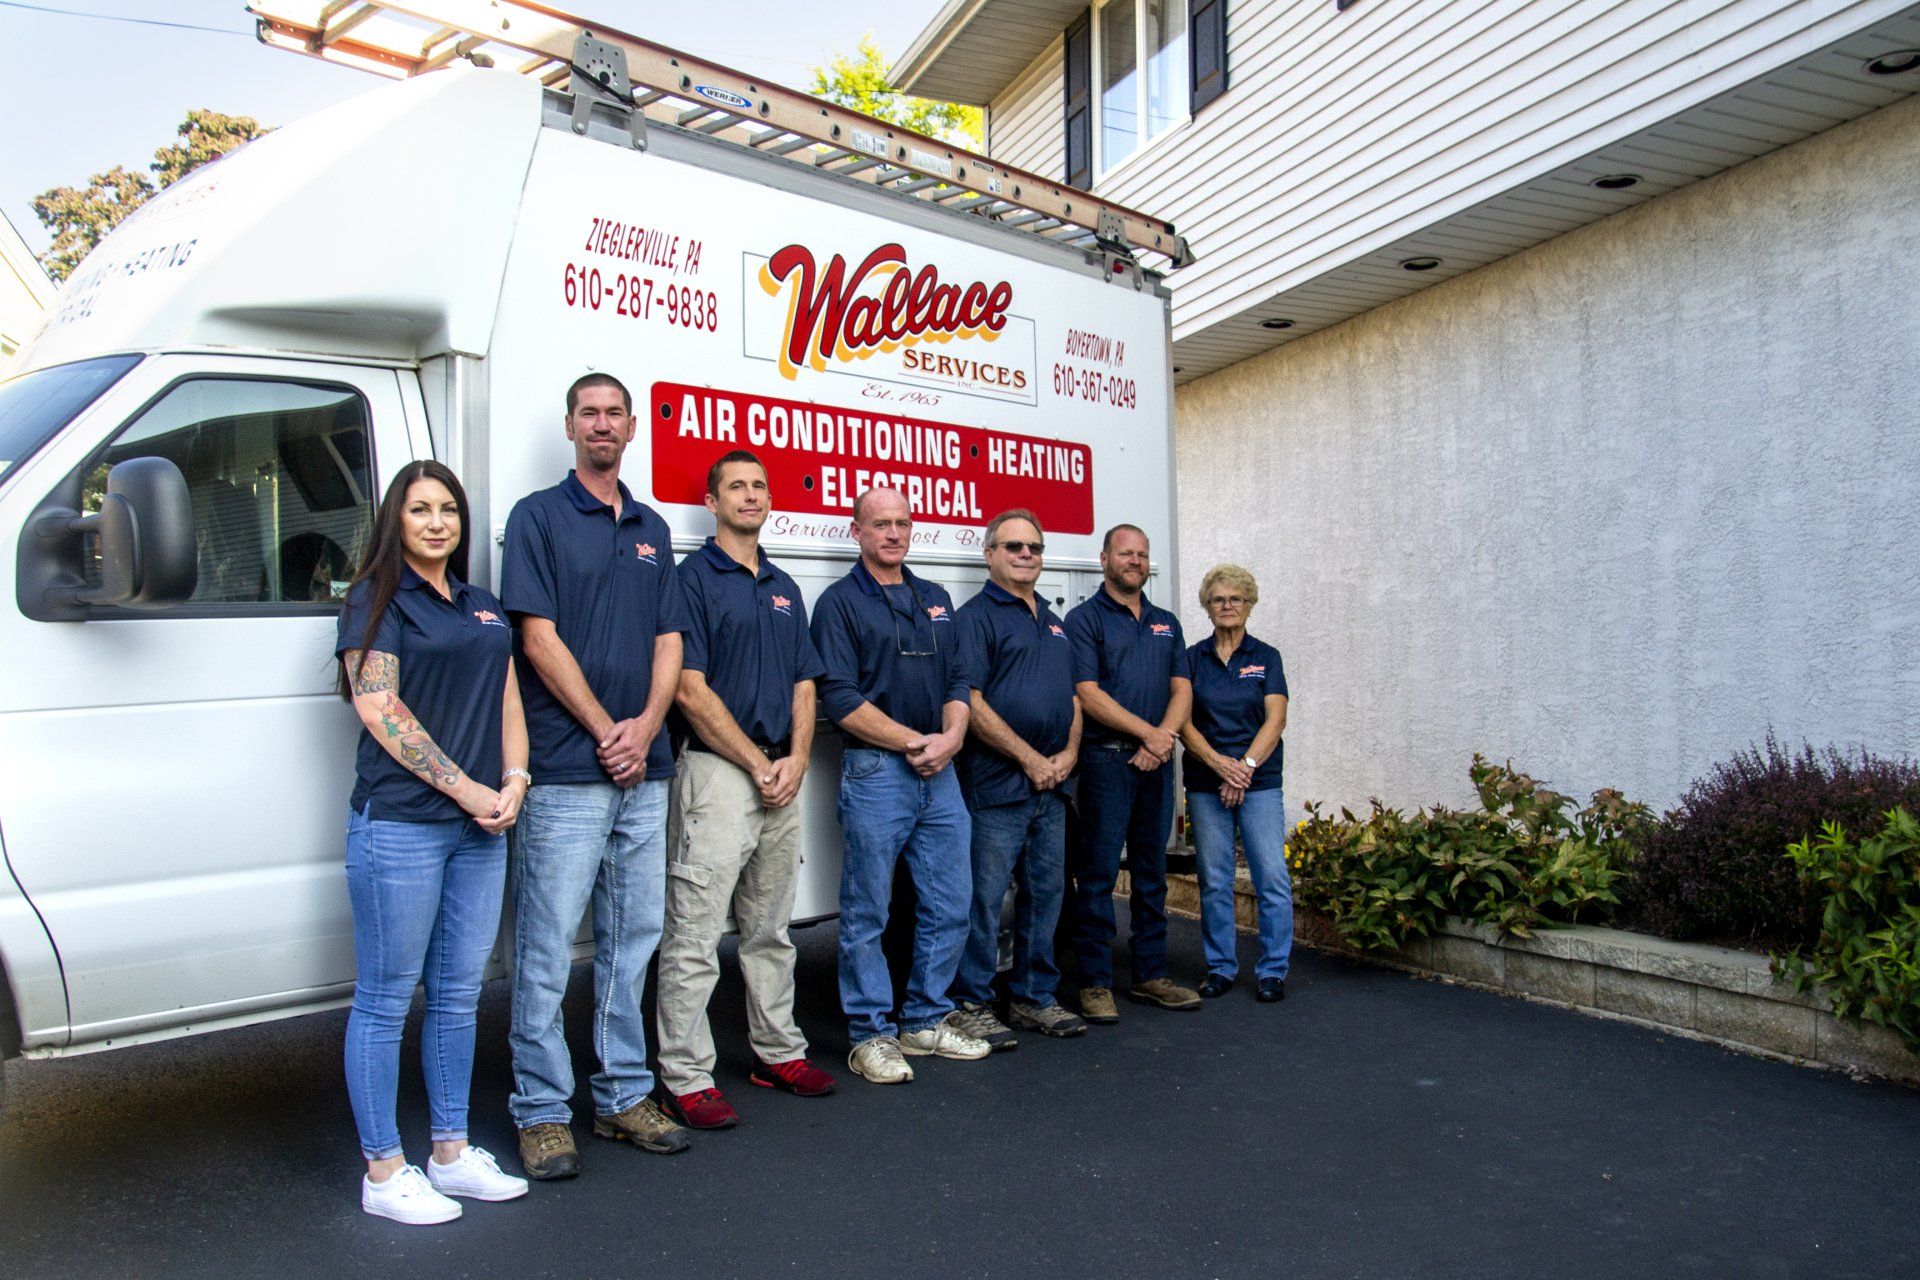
(81, 217)
(859, 81)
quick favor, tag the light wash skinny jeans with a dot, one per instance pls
(426, 908)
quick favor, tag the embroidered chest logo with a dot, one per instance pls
(644, 551)
(1163, 629)
(938, 612)
(1055, 628)
(489, 618)
(783, 606)
(1251, 672)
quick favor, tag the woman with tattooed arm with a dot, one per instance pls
(426, 659)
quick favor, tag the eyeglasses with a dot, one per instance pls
(919, 610)
(1018, 547)
(1227, 602)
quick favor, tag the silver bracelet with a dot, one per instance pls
(515, 773)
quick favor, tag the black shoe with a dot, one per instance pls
(1272, 990)
(1216, 985)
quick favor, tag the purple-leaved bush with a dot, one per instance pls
(1716, 867)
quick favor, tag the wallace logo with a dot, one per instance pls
(938, 612)
(832, 315)
(783, 605)
(1251, 672)
(489, 618)
(1163, 629)
(1057, 629)
(644, 551)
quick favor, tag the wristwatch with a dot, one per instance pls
(1249, 761)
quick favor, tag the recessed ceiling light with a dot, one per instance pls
(1616, 181)
(1419, 264)
(1276, 324)
(1897, 63)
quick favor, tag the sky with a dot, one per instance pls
(81, 94)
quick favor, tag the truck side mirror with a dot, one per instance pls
(157, 541)
(144, 529)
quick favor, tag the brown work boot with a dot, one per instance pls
(1096, 1005)
(646, 1127)
(547, 1152)
(1165, 993)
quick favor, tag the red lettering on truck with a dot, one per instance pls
(831, 315)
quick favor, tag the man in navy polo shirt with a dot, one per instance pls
(1023, 740)
(896, 685)
(744, 717)
(1129, 668)
(588, 577)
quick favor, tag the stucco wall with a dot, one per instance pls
(1612, 507)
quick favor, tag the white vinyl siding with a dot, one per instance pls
(1025, 124)
(1341, 131)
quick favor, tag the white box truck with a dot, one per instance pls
(190, 460)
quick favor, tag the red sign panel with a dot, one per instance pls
(819, 458)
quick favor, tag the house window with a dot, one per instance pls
(1140, 52)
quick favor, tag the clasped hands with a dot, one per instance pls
(930, 754)
(1156, 748)
(623, 751)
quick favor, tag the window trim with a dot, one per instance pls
(1098, 167)
(227, 609)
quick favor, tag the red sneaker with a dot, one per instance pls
(703, 1109)
(798, 1077)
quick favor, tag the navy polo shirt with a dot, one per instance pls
(1230, 705)
(1022, 663)
(896, 647)
(606, 582)
(452, 656)
(747, 634)
(1131, 659)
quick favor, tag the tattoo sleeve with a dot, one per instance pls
(374, 672)
(371, 671)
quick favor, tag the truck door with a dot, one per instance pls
(179, 816)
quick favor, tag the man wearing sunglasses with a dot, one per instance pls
(1024, 737)
(896, 684)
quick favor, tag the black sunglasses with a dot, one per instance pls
(1021, 548)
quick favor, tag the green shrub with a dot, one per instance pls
(1526, 859)
(1867, 958)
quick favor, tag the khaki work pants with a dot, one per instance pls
(725, 851)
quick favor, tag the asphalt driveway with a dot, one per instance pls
(1372, 1125)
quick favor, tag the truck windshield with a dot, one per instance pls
(34, 406)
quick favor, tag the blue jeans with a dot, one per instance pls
(1121, 808)
(579, 842)
(1022, 842)
(1261, 820)
(887, 810)
(426, 907)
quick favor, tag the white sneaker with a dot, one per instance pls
(474, 1174)
(879, 1061)
(946, 1039)
(407, 1197)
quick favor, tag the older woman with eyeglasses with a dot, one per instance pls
(1232, 775)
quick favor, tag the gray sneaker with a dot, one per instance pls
(944, 1039)
(1050, 1020)
(980, 1022)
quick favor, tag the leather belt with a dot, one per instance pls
(771, 750)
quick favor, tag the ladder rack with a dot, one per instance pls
(402, 38)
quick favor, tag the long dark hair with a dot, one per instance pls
(383, 563)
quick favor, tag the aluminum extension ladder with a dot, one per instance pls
(401, 38)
